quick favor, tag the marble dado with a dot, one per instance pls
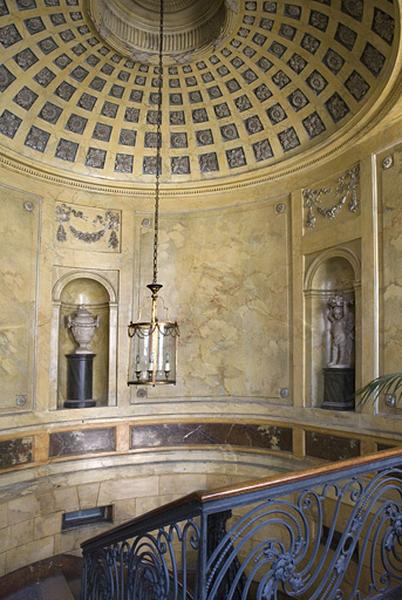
(268, 437)
(273, 438)
(326, 446)
(16, 452)
(90, 441)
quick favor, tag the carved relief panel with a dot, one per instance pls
(338, 198)
(87, 228)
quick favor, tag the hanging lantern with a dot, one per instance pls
(153, 343)
(153, 348)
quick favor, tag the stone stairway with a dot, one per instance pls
(50, 589)
(56, 578)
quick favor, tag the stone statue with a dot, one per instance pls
(341, 332)
(82, 324)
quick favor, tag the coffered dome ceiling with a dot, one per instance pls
(251, 84)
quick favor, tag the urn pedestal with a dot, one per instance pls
(339, 388)
(79, 381)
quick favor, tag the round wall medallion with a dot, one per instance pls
(388, 162)
(280, 208)
(28, 206)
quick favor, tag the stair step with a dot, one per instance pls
(39, 580)
(55, 587)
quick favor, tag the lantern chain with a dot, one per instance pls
(158, 146)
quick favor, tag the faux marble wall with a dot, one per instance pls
(391, 260)
(19, 222)
(227, 282)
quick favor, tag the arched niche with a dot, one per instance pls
(98, 296)
(334, 272)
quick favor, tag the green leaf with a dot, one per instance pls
(391, 383)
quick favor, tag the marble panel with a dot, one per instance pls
(180, 165)
(234, 336)
(297, 63)
(391, 252)
(37, 138)
(9, 123)
(195, 97)
(262, 150)
(381, 446)
(267, 437)
(95, 158)
(66, 150)
(199, 115)
(243, 103)
(44, 77)
(124, 163)
(383, 25)
(86, 441)
(47, 45)
(9, 35)
(345, 36)
(131, 115)
(6, 78)
(16, 452)
(19, 223)
(330, 447)
(236, 157)
(34, 25)
(62, 61)
(373, 59)
(25, 98)
(222, 110)
(176, 117)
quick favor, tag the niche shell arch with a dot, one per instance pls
(334, 271)
(98, 294)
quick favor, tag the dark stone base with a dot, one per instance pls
(339, 388)
(79, 381)
(79, 404)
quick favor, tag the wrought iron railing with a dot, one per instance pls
(333, 532)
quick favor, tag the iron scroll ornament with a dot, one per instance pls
(291, 555)
(152, 566)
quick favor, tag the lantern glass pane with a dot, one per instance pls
(153, 354)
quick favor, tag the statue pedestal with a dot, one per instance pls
(339, 388)
(79, 381)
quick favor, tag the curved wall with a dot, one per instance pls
(235, 267)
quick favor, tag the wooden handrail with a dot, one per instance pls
(191, 504)
(297, 476)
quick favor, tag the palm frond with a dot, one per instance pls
(383, 385)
